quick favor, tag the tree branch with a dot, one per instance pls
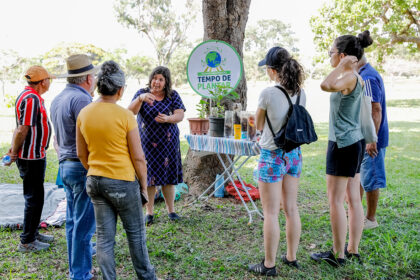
(402, 39)
(413, 19)
(383, 15)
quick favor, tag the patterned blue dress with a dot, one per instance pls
(160, 141)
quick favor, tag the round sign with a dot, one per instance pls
(211, 64)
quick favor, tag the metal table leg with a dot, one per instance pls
(235, 170)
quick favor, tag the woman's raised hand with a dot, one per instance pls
(348, 62)
(147, 97)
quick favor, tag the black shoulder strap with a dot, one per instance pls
(289, 112)
(269, 124)
(285, 93)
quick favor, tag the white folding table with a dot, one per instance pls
(227, 146)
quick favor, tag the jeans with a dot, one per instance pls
(372, 172)
(80, 220)
(110, 198)
(33, 173)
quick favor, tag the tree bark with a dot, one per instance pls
(223, 20)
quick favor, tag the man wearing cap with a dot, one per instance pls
(80, 219)
(29, 145)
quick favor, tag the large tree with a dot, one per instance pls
(390, 22)
(223, 20)
(157, 20)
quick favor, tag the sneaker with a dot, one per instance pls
(262, 270)
(329, 257)
(149, 220)
(173, 216)
(352, 256)
(34, 246)
(44, 238)
(290, 263)
(370, 224)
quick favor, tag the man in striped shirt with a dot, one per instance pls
(29, 145)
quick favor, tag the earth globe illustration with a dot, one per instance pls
(213, 59)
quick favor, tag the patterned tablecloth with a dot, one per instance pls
(223, 145)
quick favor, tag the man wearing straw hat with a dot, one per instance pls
(30, 142)
(80, 219)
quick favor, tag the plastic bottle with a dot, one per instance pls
(220, 192)
(255, 175)
(228, 124)
(237, 120)
(6, 160)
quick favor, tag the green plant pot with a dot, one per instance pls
(217, 126)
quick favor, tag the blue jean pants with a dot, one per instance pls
(80, 220)
(111, 198)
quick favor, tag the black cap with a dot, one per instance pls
(270, 57)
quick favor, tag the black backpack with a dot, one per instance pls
(298, 128)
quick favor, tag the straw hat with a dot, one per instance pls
(79, 65)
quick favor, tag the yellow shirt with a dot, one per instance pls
(105, 127)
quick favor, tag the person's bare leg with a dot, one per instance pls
(270, 200)
(372, 198)
(362, 190)
(168, 192)
(151, 191)
(336, 187)
(355, 214)
(291, 211)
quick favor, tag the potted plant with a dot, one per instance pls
(217, 110)
(200, 125)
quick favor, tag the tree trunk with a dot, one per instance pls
(223, 20)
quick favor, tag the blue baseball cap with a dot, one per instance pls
(271, 57)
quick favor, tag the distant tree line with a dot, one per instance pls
(394, 25)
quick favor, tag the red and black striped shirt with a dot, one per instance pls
(30, 111)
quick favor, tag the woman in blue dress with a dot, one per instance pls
(159, 109)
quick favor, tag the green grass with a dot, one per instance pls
(213, 241)
(404, 103)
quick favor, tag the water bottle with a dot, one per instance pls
(6, 160)
(255, 175)
(219, 187)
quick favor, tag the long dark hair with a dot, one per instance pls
(352, 45)
(164, 71)
(290, 72)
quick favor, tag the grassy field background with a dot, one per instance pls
(213, 240)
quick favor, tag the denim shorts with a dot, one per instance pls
(273, 165)
(372, 171)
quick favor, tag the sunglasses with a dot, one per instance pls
(330, 53)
